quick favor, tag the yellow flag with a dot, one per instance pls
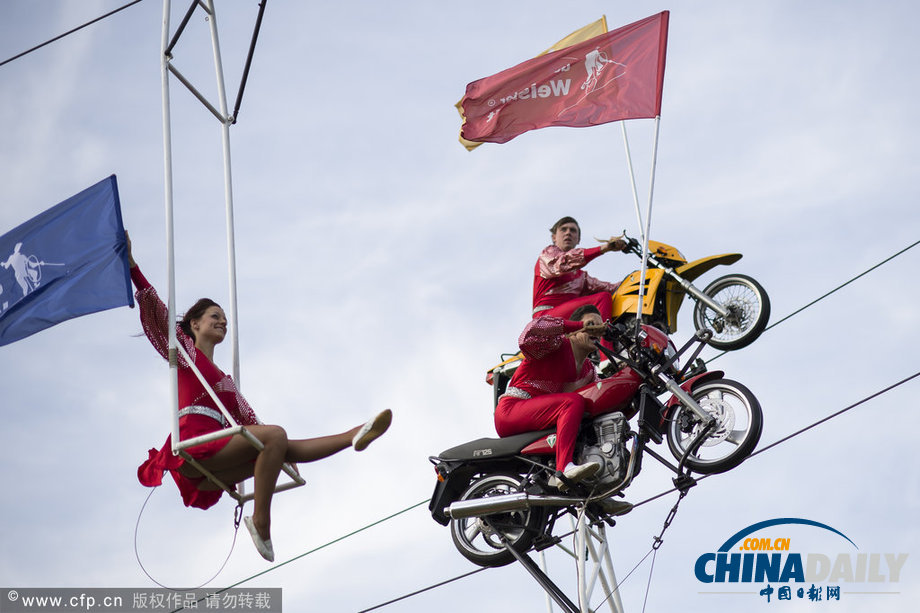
(582, 34)
(589, 31)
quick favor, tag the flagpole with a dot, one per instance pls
(648, 222)
(170, 244)
(632, 179)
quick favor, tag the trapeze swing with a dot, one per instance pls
(226, 119)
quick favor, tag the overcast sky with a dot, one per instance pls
(382, 265)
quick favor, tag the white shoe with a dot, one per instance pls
(263, 546)
(372, 429)
(575, 473)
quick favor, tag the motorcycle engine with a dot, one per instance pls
(610, 451)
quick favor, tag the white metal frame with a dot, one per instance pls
(224, 117)
(590, 542)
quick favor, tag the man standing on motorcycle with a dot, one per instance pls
(560, 285)
(541, 392)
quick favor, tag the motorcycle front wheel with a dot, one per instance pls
(480, 539)
(748, 311)
(739, 422)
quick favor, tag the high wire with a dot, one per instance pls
(822, 297)
(68, 33)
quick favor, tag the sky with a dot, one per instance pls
(381, 265)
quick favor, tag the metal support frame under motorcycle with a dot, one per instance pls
(226, 119)
(591, 539)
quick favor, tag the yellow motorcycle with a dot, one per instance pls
(735, 307)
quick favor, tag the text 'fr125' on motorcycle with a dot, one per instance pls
(495, 493)
(735, 307)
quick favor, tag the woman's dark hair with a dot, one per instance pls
(196, 312)
(579, 313)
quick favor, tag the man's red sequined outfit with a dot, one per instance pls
(560, 286)
(541, 393)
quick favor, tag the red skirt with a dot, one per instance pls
(150, 473)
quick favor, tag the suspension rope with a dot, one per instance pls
(425, 589)
(820, 298)
(236, 526)
(315, 549)
(68, 33)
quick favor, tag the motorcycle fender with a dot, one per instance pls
(452, 481)
(696, 268)
(689, 272)
(691, 383)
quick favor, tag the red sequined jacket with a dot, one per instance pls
(549, 363)
(558, 278)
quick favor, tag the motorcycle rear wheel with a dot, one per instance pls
(479, 539)
(739, 422)
(749, 311)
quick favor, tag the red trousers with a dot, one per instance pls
(563, 411)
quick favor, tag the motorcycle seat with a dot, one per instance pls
(484, 448)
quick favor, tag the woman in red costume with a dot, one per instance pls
(541, 392)
(232, 459)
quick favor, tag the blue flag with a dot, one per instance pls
(69, 261)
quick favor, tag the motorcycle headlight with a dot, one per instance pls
(669, 352)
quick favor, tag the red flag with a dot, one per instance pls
(611, 77)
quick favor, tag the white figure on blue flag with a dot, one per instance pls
(83, 239)
(26, 268)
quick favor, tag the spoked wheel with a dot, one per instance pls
(479, 539)
(739, 422)
(748, 311)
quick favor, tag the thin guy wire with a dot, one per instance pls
(68, 33)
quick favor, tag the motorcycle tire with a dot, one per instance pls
(749, 308)
(739, 425)
(480, 539)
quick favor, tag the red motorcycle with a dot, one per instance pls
(495, 493)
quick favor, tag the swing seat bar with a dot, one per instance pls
(179, 446)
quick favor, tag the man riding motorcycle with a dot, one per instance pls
(559, 284)
(541, 394)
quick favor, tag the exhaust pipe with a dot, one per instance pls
(504, 504)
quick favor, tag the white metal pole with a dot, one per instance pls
(170, 244)
(580, 548)
(228, 192)
(613, 589)
(632, 180)
(549, 601)
(648, 222)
